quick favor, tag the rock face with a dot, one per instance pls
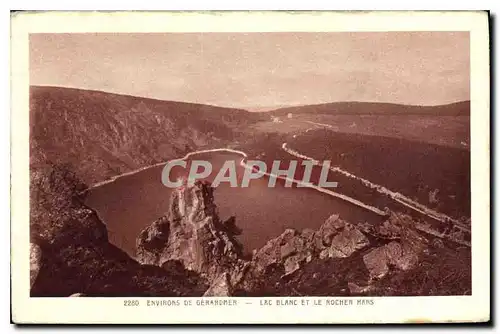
(290, 249)
(220, 287)
(339, 258)
(193, 234)
(190, 252)
(35, 262)
(401, 249)
(334, 239)
(379, 260)
(70, 251)
(338, 239)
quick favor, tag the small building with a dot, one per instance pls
(289, 116)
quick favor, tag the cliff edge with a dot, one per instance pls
(191, 232)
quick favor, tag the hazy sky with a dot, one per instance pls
(260, 69)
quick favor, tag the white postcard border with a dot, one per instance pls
(250, 310)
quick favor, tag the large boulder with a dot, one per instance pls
(334, 239)
(339, 239)
(326, 232)
(377, 263)
(346, 242)
(379, 260)
(290, 249)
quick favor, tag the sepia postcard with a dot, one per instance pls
(250, 167)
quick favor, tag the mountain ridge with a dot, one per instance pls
(103, 134)
(40, 87)
(458, 108)
(261, 109)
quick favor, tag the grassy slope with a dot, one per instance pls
(374, 108)
(446, 125)
(412, 168)
(102, 134)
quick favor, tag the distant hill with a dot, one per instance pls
(372, 108)
(103, 134)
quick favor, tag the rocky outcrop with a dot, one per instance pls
(192, 233)
(379, 260)
(401, 249)
(339, 258)
(70, 252)
(336, 238)
(191, 252)
(290, 249)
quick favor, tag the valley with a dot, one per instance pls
(116, 146)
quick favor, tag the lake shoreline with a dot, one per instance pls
(328, 192)
(135, 171)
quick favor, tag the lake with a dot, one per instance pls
(131, 203)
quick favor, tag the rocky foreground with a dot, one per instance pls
(191, 252)
(337, 259)
(71, 254)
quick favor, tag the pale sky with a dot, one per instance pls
(259, 69)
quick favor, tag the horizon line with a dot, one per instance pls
(247, 108)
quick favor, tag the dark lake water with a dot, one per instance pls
(133, 202)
